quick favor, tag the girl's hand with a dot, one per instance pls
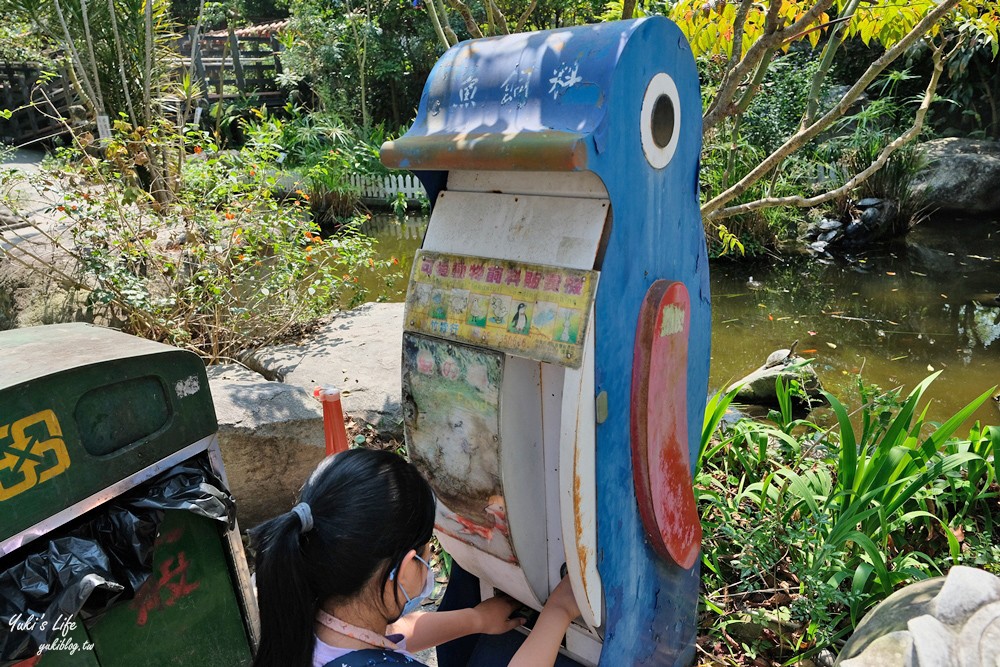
(493, 615)
(562, 599)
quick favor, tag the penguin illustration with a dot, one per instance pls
(520, 322)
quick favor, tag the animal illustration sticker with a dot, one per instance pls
(451, 399)
(661, 464)
(534, 311)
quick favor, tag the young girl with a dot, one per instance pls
(339, 576)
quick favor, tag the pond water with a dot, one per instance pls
(895, 314)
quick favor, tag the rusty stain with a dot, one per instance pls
(581, 551)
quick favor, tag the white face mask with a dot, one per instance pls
(412, 604)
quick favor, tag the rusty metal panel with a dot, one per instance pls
(525, 101)
(523, 470)
(650, 602)
(627, 93)
(452, 417)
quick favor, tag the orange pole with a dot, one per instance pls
(333, 419)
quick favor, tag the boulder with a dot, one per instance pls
(961, 175)
(271, 427)
(758, 388)
(271, 436)
(953, 620)
(359, 352)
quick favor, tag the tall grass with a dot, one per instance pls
(806, 529)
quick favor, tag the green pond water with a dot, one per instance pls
(895, 314)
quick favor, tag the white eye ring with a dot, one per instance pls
(660, 120)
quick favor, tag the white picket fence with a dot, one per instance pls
(380, 190)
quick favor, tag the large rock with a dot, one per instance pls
(961, 175)
(759, 387)
(951, 621)
(271, 436)
(359, 352)
(270, 426)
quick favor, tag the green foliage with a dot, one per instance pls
(970, 93)
(726, 159)
(777, 108)
(806, 529)
(91, 34)
(224, 268)
(322, 152)
(19, 44)
(352, 51)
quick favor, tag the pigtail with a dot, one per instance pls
(360, 512)
(284, 593)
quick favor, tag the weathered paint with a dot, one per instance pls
(559, 151)
(661, 466)
(529, 310)
(577, 477)
(656, 234)
(590, 82)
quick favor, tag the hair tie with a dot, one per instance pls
(304, 513)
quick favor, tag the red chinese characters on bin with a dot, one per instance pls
(171, 585)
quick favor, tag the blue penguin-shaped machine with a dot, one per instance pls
(557, 326)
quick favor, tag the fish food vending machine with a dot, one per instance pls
(556, 328)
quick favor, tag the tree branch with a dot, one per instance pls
(523, 20)
(77, 63)
(739, 23)
(90, 50)
(501, 20)
(432, 12)
(773, 37)
(833, 42)
(861, 177)
(470, 21)
(710, 209)
(628, 9)
(121, 62)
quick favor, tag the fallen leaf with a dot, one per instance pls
(890, 273)
(812, 333)
(930, 369)
(944, 296)
(832, 345)
(812, 351)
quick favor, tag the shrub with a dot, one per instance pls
(806, 529)
(225, 268)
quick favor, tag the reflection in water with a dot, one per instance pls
(894, 314)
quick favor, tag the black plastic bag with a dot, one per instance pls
(102, 558)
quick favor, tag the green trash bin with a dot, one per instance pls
(113, 437)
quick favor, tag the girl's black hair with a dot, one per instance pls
(369, 508)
